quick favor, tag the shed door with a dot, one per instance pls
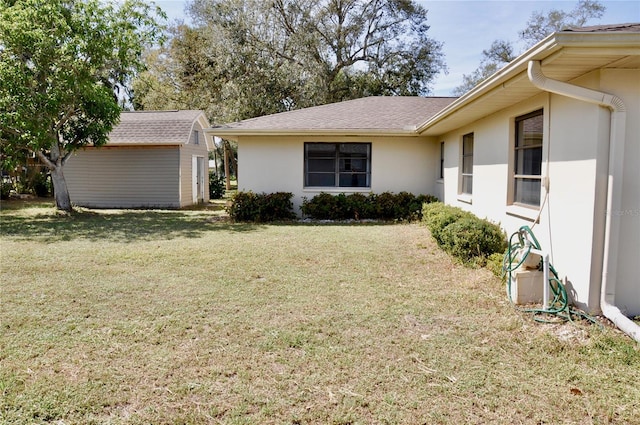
(197, 170)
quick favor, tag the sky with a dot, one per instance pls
(468, 27)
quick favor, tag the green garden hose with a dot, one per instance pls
(517, 252)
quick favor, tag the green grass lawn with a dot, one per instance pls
(179, 317)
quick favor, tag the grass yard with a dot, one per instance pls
(178, 317)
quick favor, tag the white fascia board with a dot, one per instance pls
(233, 134)
(134, 145)
(208, 137)
(599, 39)
(598, 42)
(498, 79)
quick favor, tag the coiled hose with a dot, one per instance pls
(520, 245)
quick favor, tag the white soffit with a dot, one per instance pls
(511, 85)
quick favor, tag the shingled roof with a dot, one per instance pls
(630, 27)
(154, 128)
(401, 114)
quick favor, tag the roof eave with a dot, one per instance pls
(141, 144)
(204, 124)
(234, 133)
(501, 77)
(545, 48)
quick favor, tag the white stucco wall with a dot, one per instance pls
(571, 225)
(276, 164)
(626, 85)
(566, 224)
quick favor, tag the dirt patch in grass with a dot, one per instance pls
(172, 317)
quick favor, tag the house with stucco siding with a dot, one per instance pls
(551, 141)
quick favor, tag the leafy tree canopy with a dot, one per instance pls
(63, 64)
(539, 26)
(246, 58)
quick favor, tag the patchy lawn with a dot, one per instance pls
(137, 317)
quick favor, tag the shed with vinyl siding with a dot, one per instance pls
(153, 159)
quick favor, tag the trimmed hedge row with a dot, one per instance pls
(358, 206)
(462, 234)
(261, 207)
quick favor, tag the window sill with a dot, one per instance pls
(336, 189)
(525, 212)
(466, 198)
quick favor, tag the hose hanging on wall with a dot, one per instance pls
(518, 253)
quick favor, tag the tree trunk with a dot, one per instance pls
(227, 177)
(234, 163)
(215, 160)
(60, 190)
(55, 162)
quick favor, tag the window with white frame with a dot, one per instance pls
(196, 137)
(528, 159)
(466, 186)
(337, 164)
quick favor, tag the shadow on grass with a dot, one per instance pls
(36, 222)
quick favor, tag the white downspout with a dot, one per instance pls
(614, 187)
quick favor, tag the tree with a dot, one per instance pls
(200, 69)
(353, 48)
(64, 67)
(499, 54)
(539, 26)
(257, 57)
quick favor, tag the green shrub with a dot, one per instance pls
(261, 207)
(404, 203)
(415, 205)
(244, 207)
(321, 206)
(462, 234)
(342, 208)
(276, 206)
(494, 264)
(360, 206)
(472, 239)
(21, 186)
(217, 186)
(40, 184)
(5, 189)
(357, 206)
(385, 206)
(437, 216)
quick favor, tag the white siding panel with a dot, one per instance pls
(187, 152)
(124, 177)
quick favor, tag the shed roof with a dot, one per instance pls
(388, 114)
(154, 127)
